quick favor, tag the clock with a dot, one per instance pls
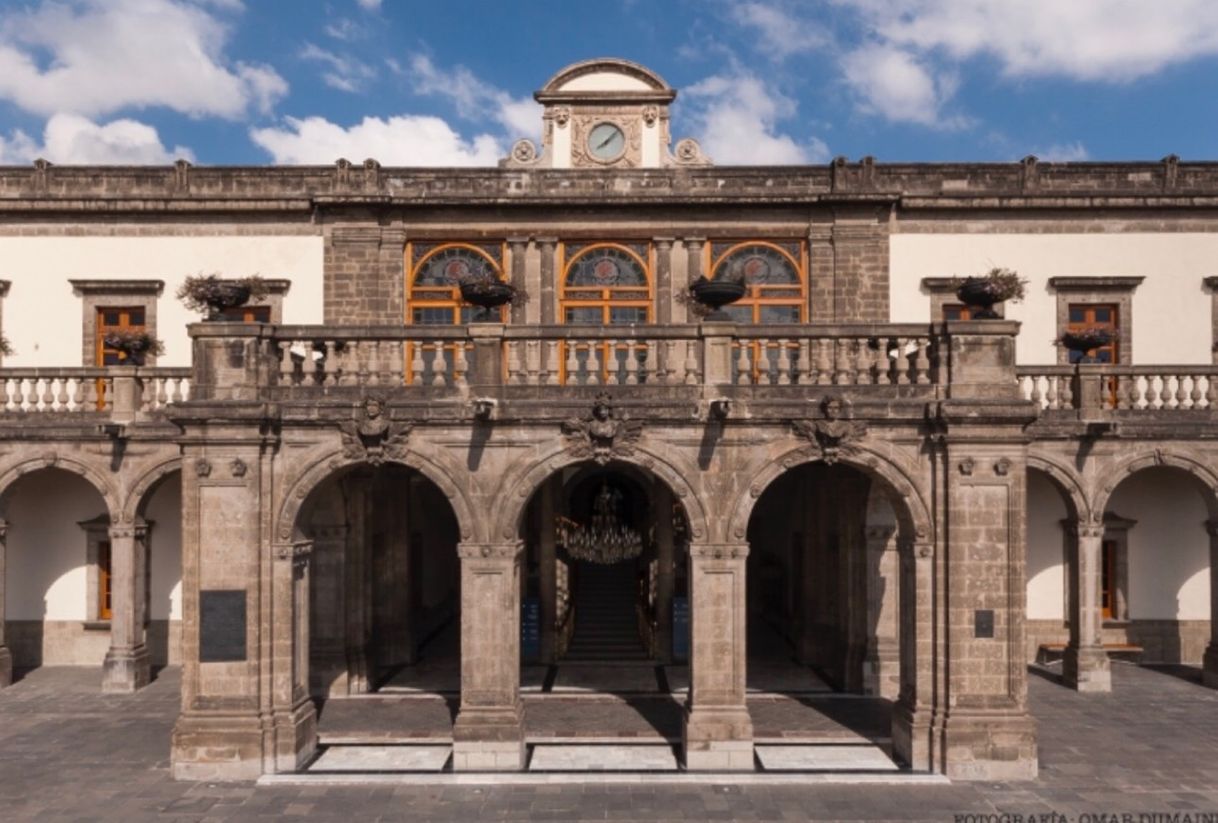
(606, 142)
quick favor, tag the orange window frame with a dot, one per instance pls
(755, 296)
(102, 327)
(451, 302)
(248, 314)
(104, 611)
(1088, 321)
(608, 299)
(956, 311)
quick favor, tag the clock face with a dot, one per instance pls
(606, 141)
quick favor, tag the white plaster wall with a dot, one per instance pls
(1168, 548)
(1046, 549)
(605, 81)
(165, 556)
(47, 575)
(1172, 263)
(42, 318)
(560, 146)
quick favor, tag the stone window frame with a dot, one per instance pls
(1115, 290)
(1211, 283)
(97, 531)
(942, 290)
(100, 294)
(276, 289)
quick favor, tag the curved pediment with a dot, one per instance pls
(606, 76)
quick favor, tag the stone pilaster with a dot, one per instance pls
(718, 732)
(1085, 665)
(664, 288)
(881, 663)
(664, 538)
(6, 656)
(290, 739)
(518, 248)
(987, 732)
(128, 665)
(917, 722)
(549, 279)
(489, 731)
(1209, 671)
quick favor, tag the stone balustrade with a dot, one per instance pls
(114, 390)
(1105, 388)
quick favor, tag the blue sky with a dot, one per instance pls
(760, 81)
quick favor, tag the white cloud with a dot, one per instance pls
(93, 57)
(894, 84)
(1064, 152)
(475, 99)
(782, 34)
(736, 119)
(406, 140)
(1092, 40)
(70, 138)
(344, 73)
(370, 5)
(344, 29)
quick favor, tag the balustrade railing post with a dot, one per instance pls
(487, 368)
(982, 360)
(717, 352)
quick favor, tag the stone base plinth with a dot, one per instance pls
(295, 737)
(489, 740)
(126, 670)
(1087, 669)
(217, 746)
(6, 667)
(1209, 666)
(718, 740)
(989, 745)
(914, 738)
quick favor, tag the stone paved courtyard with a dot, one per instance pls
(67, 752)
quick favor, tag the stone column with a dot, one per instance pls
(128, 665)
(518, 248)
(662, 496)
(549, 279)
(1085, 665)
(489, 731)
(664, 289)
(718, 732)
(6, 656)
(917, 724)
(293, 727)
(882, 659)
(1209, 671)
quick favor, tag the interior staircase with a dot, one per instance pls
(606, 629)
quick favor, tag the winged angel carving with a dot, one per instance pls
(833, 434)
(372, 436)
(602, 435)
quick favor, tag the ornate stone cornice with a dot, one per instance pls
(490, 551)
(719, 551)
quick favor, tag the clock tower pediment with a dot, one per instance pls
(605, 113)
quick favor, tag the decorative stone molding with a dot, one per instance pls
(966, 466)
(719, 551)
(833, 435)
(490, 551)
(203, 467)
(297, 553)
(603, 435)
(371, 436)
(1002, 467)
(238, 467)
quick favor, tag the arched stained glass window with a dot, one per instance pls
(435, 274)
(606, 284)
(775, 276)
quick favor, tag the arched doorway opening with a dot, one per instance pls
(837, 601)
(1051, 543)
(57, 593)
(384, 584)
(1156, 557)
(160, 513)
(604, 583)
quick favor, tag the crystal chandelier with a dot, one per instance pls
(606, 539)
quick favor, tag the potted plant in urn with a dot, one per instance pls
(213, 295)
(487, 293)
(998, 285)
(1085, 341)
(135, 345)
(714, 294)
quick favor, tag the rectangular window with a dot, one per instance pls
(103, 580)
(1108, 576)
(957, 311)
(1092, 316)
(248, 314)
(112, 318)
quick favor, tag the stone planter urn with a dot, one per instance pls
(487, 295)
(1085, 341)
(135, 346)
(715, 294)
(213, 295)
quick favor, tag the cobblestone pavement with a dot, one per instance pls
(67, 752)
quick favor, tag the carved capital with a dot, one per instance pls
(719, 551)
(1085, 528)
(490, 551)
(296, 552)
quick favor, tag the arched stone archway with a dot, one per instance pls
(1159, 541)
(853, 539)
(55, 563)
